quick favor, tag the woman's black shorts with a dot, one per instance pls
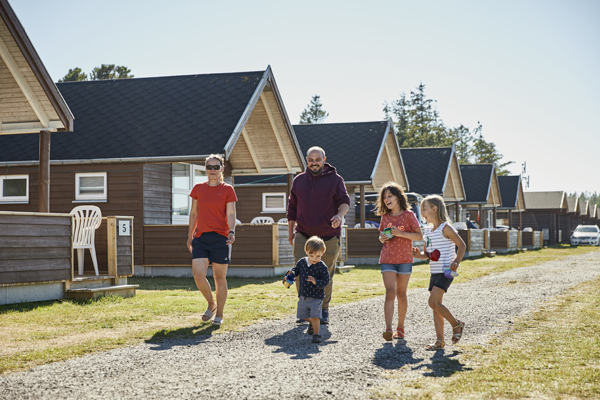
(440, 280)
(213, 246)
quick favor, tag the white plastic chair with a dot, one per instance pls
(86, 219)
(262, 220)
(238, 222)
(282, 221)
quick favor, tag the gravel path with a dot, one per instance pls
(275, 359)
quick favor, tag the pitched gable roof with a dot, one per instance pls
(584, 208)
(34, 103)
(481, 184)
(433, 170)
(573, 204)
(546, 200)
(511, 190)
(172, 118)
(373, 143)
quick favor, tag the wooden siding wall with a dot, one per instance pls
(249, 204)
(285, 250)
(34, 248)
(157, 194)
(477, 242)
(363, 242)
(527, 239)
(165, 245)
(464, 235)
(124, 250)
(513, 239)
(352, 218)
(498, 239)
(124, 194)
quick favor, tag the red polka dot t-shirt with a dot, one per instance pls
(397, 250)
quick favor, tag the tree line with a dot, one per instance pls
(104, 71)
(418, 124)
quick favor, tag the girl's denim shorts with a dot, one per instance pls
(400, 269)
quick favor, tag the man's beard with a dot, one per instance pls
(318, 171)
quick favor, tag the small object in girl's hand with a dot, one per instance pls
(388, 232)
(288, 280)
(434, 255)
(448, 273)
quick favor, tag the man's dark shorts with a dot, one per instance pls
(213, 246)
(440, 280)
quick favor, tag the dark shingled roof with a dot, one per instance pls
(352, 148)
(509, 190)
(427, 168)
(477, 179)
(144, 117)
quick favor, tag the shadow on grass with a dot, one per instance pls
(443, 365)
(394, 355)
(169, 338)
(297, 343)
(171, 283)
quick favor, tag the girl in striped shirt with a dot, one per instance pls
(440, 240)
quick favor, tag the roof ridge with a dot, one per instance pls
(100, 81)
(343, 123)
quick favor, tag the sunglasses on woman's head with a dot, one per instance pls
(215, 167)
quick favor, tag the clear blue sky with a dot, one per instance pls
(529, 71)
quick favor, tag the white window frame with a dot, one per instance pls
(185, 219)
(266, 209)
(14, 199)
(90, 197)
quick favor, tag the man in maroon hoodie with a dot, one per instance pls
(318, 202)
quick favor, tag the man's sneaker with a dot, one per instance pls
(310, 330)
(324, 317)
(316, 339)
(300, 321)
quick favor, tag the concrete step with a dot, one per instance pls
(87, 293)
(342, 269)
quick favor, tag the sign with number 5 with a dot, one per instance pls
(124, 228)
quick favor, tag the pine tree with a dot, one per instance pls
(110, 71)
(314, 113)
(74, 75)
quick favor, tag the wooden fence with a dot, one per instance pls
(263, 245)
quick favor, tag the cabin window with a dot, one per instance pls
(90, 186)
(14, 188)
(184, 177)
(273, 202)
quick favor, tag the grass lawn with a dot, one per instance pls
(38, 333)
(552, 354)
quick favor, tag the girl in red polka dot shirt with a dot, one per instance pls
(398, 228)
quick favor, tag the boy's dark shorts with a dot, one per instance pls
(440, 280)
(213, 246)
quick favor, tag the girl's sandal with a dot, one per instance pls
(438, 345)
(399, 334)
(456, 337)
(387, 335)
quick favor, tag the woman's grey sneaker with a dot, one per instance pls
(316, 339)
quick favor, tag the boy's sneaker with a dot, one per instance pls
(324, 317)
(316, 339)
(310, 330)
(300, 321)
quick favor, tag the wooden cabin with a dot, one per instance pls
(570, 219)
(435, 170)
(140, 146)
(513, 201)
(584, 212)
(482, 193)
(373, 143)
(542, 214)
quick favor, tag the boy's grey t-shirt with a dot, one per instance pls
(318, 271)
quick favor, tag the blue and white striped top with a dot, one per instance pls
(435, 239)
